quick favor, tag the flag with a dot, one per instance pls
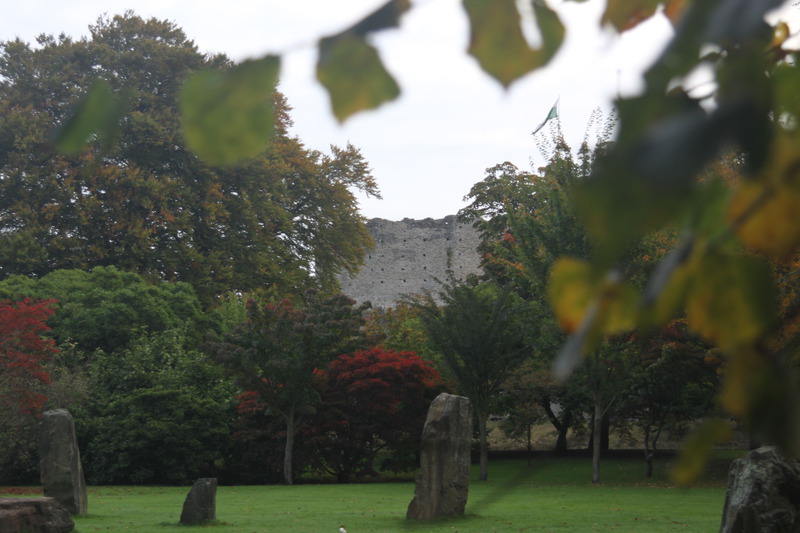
(551, 115)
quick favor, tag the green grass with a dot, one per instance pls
(553, 495)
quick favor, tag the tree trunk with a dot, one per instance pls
(484, 446)
(529, 443)
(288, 450)
(597, 441)
(648, 454)
(562, 426)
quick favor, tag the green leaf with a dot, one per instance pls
(385, 17)
(227, 115)
(353, 74)
(96, 115)
(498, 43)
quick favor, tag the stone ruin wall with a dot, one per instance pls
(409, 256)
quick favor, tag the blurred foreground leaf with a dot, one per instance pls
(498, 43)
(697, 448)
(97, 116)
(351, 69)
(588, 306)
(352, 72)
(626, 14)
(227, 115)
(731, 300)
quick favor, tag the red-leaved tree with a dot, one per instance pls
(23, 382)
(23, 354)
(372, 401)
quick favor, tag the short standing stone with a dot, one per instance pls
(763, 494)
(443, 480)
(201, 502)
(60, 462)
(34, 515)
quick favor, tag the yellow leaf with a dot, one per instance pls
(498, 43)
(744, 367)
(571, 290)
(696, 449)
(769, 216)
(575, 287)
(227, 114)
(731, 300)
(353, 74)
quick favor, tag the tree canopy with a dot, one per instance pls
(281, 349)
(136, 198)
(481, 333)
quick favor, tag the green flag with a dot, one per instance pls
(552, 114)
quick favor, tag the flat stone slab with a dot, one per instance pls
(34, 515)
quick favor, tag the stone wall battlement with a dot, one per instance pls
(409, 256)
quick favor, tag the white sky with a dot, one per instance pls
(450, 123)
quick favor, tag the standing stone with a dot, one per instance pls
(201, 502)
(763, 494)
(60, 462)
(443, 480)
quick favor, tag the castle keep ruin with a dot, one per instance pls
(409, 256)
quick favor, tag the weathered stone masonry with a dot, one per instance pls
(409, 256)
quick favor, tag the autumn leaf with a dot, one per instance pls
(627, 14)
(227, 114)
(498, 43)
(774, 227)
(674, 9)
(731, 300)
(697, 448)
(588, 307)
(571, 290)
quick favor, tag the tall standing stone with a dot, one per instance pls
(443, 480)
(763, 494)
(60, 462)
(201, 502)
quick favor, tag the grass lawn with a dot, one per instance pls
(552, 495)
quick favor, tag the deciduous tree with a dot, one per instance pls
(160, 413)
(24, 355)
(372, 401)
(281, 350)
(481, 333)
(107, 308)
(136, 198)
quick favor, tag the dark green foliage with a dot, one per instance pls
(160, 414)
(280, 351)
(481, 333)
(106, 308)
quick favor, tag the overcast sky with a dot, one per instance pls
(450, 123)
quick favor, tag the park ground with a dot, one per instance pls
(552, 494)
